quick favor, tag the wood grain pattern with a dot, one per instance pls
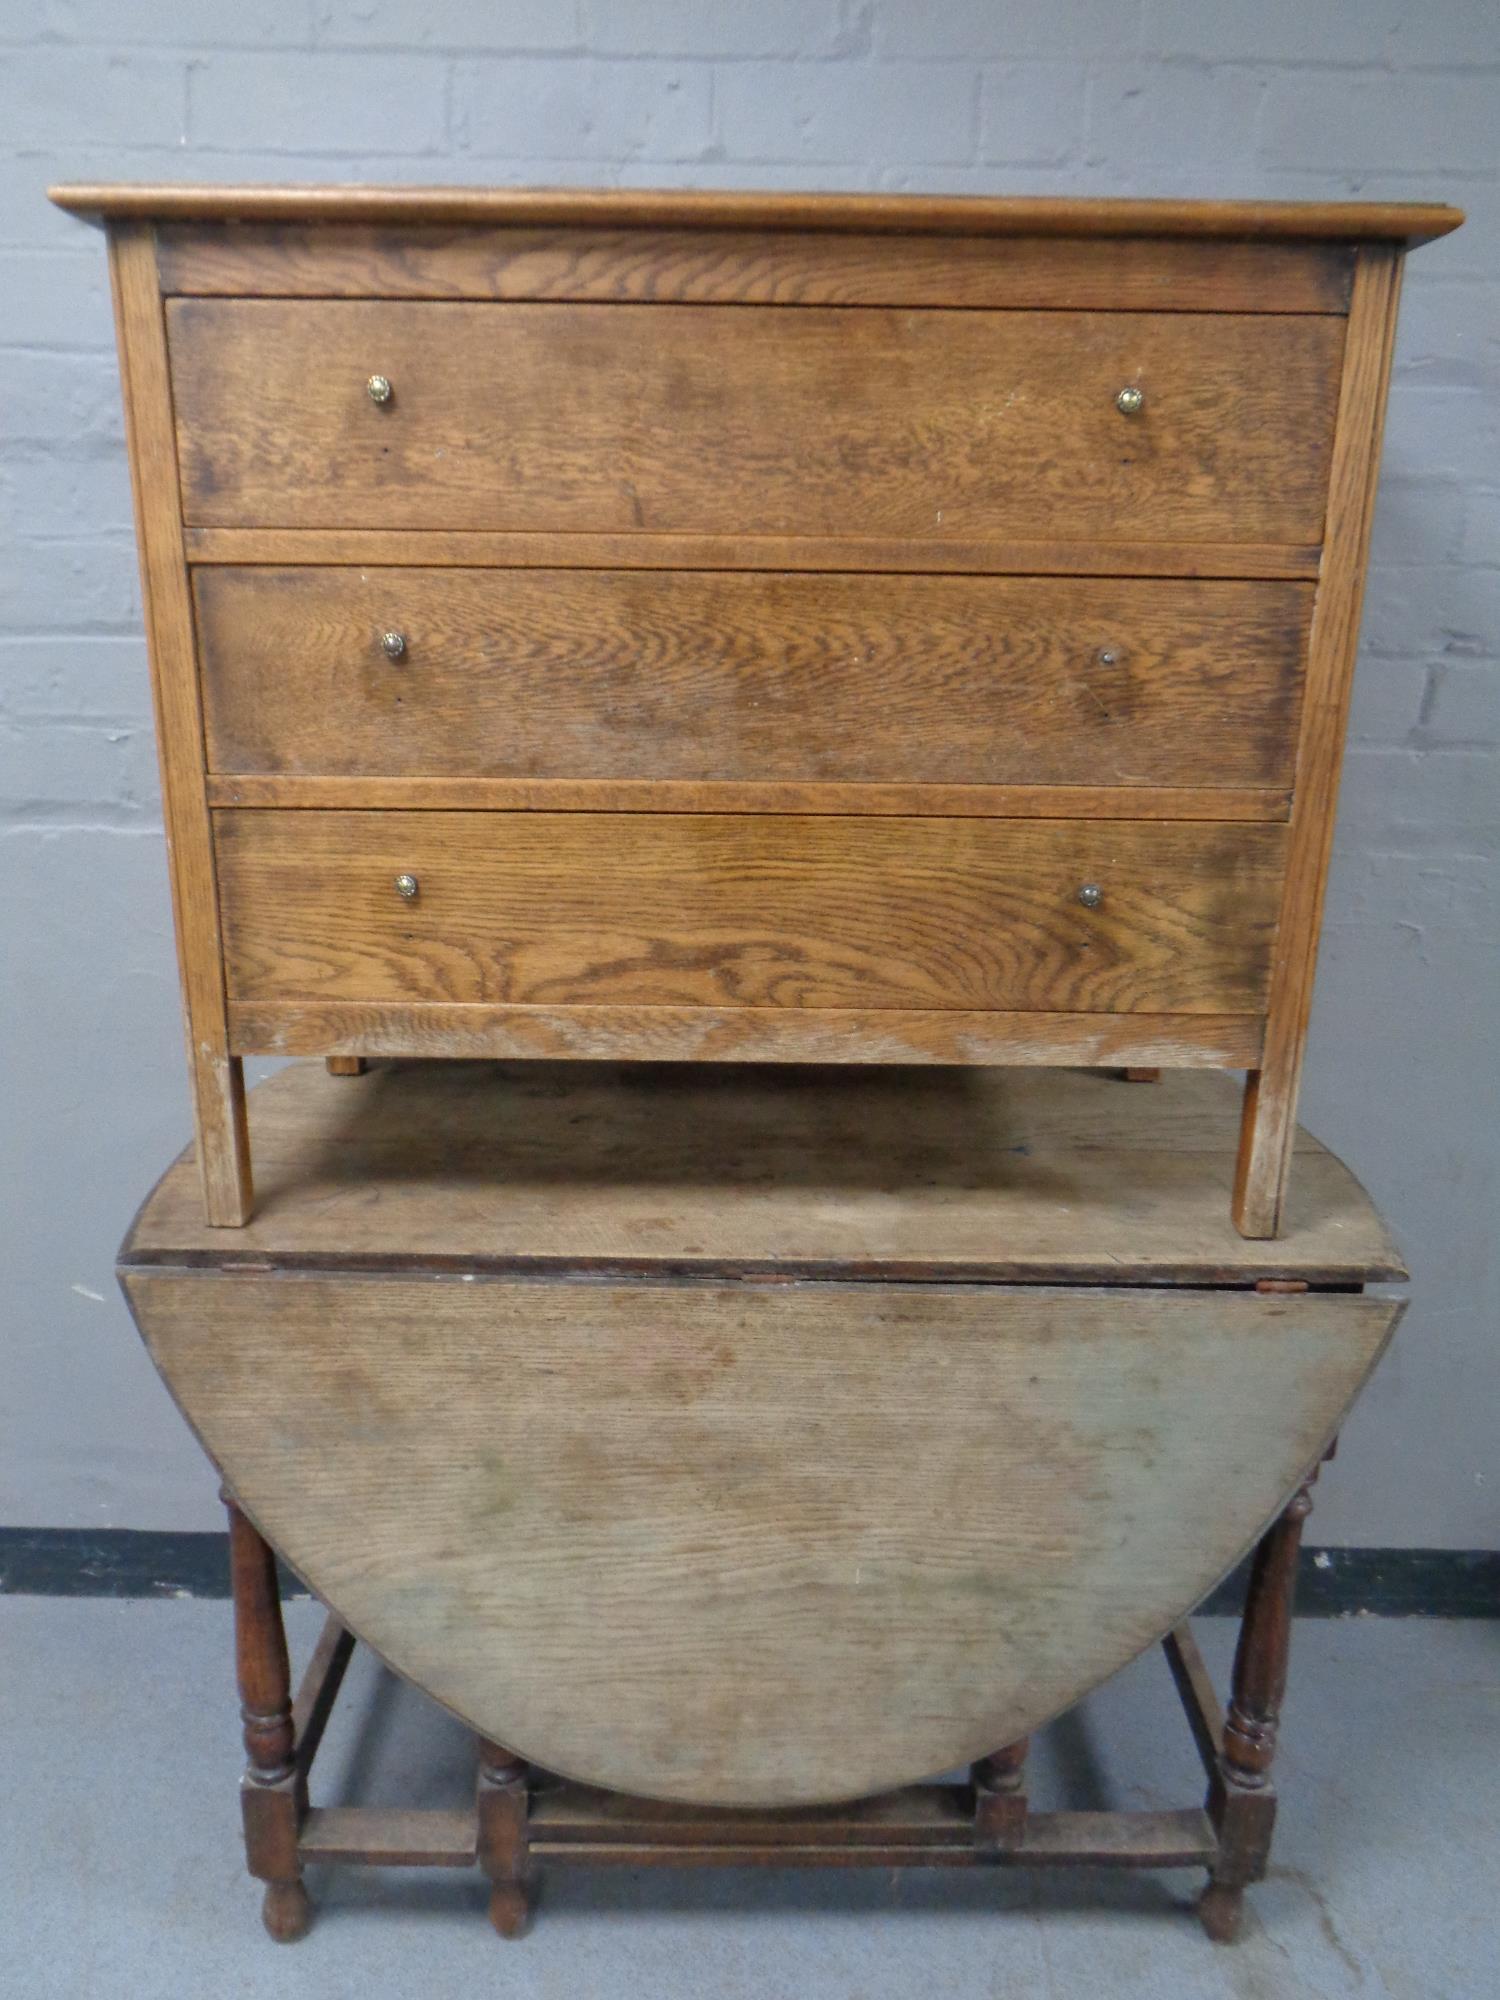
(662, 675)
(675, 909)
(217, 1081)
(1155, 802)
(780, 268)
(376, 547)
(634, 1033)
(871, 445)
(654, 208)
(1030, 1176)
(1271, 1093)
(921, 1825)
(836, 1537)
(819, 421)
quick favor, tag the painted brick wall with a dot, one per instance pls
(1294, 98)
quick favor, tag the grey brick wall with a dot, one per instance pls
(1295, 98)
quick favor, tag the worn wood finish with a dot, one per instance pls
(923, 1825)
(651, 208)
(779, 268)
(1014, 1493)
(318, 1690)
(1271, 1093)
(914, 423)
(717, 1169)
(662, 676)
(217, 1080)
(501, 1812)
(1196, 1691)
(1241, 1799)
(559, 909)
(900, 555)
(271, 1797)
(390, 1836)
(752, 534)
(1000, 1803)
(926, 1824)
(842, 1035)
(679, 795)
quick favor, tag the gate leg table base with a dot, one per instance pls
(523, 1817)
(729, 1450)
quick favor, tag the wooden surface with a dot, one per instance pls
(652, 208)
(795, 622)
(672, 909)
(714, 419)
(781, 268)
(217, 1080)
(923, 1825)
(659, 675)
(633, 1033)
(778, 795)
(757, 1544)
(1031, 1176)
(1271, 1097)
(898, 555)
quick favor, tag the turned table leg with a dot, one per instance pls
(270, 1791)
(503, 1802)
(1241, 1797)
(999, 1782)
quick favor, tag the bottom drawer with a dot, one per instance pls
(766, 912)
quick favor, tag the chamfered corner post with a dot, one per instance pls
(1268, 1128)
(271, 1790)
(1241, 1797)
(1000, 1807)
(503, 1808)
(171, 643)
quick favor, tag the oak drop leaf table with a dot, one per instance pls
(734, 1448)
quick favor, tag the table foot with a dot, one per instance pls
(286, 1911)
(510, 1909)
(1220, 1909)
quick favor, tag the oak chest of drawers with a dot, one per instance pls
(693, 627)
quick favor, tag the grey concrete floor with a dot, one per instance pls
(122, 1878)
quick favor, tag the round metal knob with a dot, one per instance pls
(379, 388)
(1130, 402)
(406, 886)
(1091, 895)
(1107, 656)
(393, 644)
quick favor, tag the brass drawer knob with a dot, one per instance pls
(393, 644)
(379, 389)
(406, 887)
(1091, 895)
(1130, 402)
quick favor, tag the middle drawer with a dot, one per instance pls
(719, 675)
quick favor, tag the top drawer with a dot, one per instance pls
(929, 425)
